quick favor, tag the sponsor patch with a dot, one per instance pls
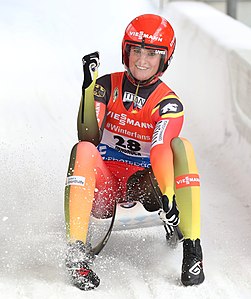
(115, 94)
(141, 35)
(75, 180)
(138, 102)
(188, 180)
(158, 135)
(124, 120)
(170, 106)
(99, 91)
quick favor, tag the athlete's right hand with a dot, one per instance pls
(91, 61)
(90, 65)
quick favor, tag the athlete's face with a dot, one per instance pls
(143, 63)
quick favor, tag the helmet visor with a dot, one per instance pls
(134, 48)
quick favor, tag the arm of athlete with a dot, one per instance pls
(168, 116)
(102, 93)
(87, 123)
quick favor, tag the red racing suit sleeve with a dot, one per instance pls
(102, 91)
(168, 116)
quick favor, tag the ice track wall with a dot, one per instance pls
(212, 68)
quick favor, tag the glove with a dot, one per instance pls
(171, 214)
(90, 65)
(87, 124)
(169, 231)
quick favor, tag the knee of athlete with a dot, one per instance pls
(86, 148)
(176, 143)
(180, 142)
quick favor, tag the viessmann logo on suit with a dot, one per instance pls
(188, 180)
(123, 120)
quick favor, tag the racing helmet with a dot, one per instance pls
(151, 32)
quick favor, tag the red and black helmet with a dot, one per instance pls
(150, 31)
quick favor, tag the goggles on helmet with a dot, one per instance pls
(151, 32)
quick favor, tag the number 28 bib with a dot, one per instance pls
(127, 136)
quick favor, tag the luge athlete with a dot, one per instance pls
(129, 149)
